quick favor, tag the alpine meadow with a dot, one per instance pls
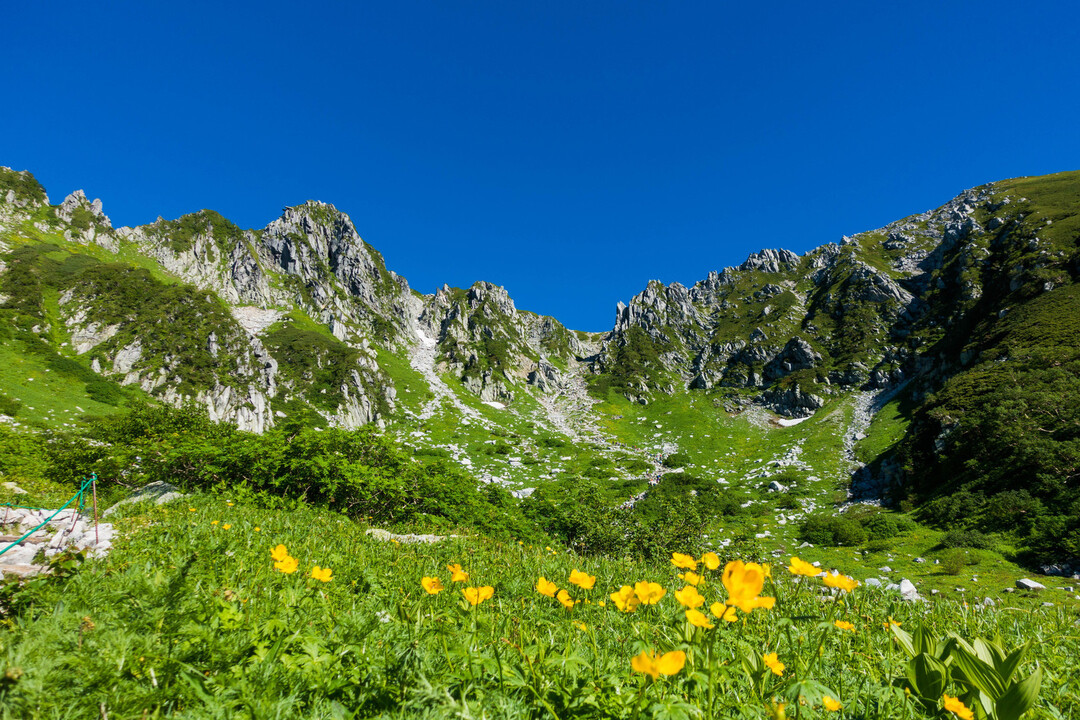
(837, 484)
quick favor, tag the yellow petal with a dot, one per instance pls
(645, 663)
(672, 662)
(546, 587)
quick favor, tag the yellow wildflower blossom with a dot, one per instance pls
(958, 708)
(625, 599)
(727, 613)
(653, 665)
(322, 574)
(711, 560)
(546, 587)
(477, 595)
(279, 553)
(582, 580)
(690, 597)
(744, 582)
(690, 577)
(840, 581)
(686, 562)
(699, 619)
(226, 526)
(649, 593)
(801, 567)
(287, 565)
(844, 625)
(457, 574)
(564, 598)
(432, 585)
(830, 704)
(773, 663)
(581, 626)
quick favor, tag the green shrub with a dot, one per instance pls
(964, 538)
(676, 460)
(9, 406)
(953, 561)
(881, 526)
(832, 530)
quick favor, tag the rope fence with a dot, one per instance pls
(88, 484)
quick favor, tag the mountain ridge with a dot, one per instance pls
(302, 322)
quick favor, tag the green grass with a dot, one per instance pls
(188, 618)
(47, 398)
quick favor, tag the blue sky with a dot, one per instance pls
(570, 151)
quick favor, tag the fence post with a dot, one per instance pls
(94, 486)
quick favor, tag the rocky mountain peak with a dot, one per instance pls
(78, 200)
(771, 261)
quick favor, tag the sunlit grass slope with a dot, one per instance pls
(191, 616)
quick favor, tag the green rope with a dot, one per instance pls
(78, 495)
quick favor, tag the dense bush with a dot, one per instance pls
(832, 530)
(360, 472)
(963, 538)
(676, 460)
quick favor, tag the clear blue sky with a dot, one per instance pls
(570, 151)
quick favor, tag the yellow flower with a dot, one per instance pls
(546, 587)
(830, 704)
(601, 603)
(564, 598)
(767, 569)
(723, 611)
(668, 663)
(279, 553)
(690, 577)
(192, 510)
(323, 574)
(840, 581)
(698, 619)
(956, 707)
(458, 575)
(844, 625)
(432, 585)
(256, 528)
(773, 664)
(213, 522)
(690, 597)
(744, 582)
(229, 504)
(625, 599)
(686, 562)
(226, 526)
(649, 593)
(580, 626)
(287, 565)
(582, 580)
(801, 567)
(776, 712)
(477, 595)
(711, 560)
(891, 622)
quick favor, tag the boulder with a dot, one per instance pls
(159, 492)
(1027, 584)
(908, 591)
